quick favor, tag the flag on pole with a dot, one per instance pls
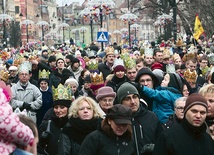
(198, 29)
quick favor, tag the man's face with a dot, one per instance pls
(60, 64)
(24, 77)
(210, 100)
(179, 109)
(132, 101)
(159, 57)
(203, 63)
(196, 115)
(149, 59)
(13, 73)
(192, 66)
(52, 64)
(43, 85)
(131, 74)
(110, 58)
(146, 80)
(139, 65)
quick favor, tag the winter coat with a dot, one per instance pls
(74, 133)
(172, 121)
(185, 139)
(31, 95)
(99, 143)
(146, 126)
(47, 102)
(106, 70)
(163, 100)
(55, 78)
(116, 82)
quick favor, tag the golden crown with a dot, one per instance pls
(96, 78)
(44, 74)
(190, 76)
(93, 65)
(62, 92)
(109, 50)
(4, 75)
(166, 53)
(176, 56)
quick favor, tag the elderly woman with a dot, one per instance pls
(114, 137)
(105, 97)
(84, 117)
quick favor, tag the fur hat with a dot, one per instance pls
(195, 99)
(124, 90)
(105, 91)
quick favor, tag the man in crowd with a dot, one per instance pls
(26, 95)
(191, 132)
(146, 126)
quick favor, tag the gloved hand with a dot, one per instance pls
(139, 87)
(26, 106)
(147, 148)
(44, 139)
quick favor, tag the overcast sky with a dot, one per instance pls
(63, 2)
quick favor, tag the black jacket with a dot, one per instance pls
(146, 126)
(184, 139)
(102, 67)
(74, 133)
(98, 143)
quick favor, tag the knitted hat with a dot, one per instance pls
(124, 90)
(12, 130)
(120, 114)
(119, 68)
(156, 65)
(195, 99)
(72, 80)
(105, 91)
(74, 61)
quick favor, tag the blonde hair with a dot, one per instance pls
(73, 110)
(209, 88)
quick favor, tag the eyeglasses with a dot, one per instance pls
(180, 108)
(146, 80)
(22, 74)
(107, 100)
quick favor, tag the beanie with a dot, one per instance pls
(195, 99)
(66, 103)
(74, 61)
(124, 90)
(119, 68)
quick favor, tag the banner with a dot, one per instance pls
(198, 29)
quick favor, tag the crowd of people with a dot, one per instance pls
(144, 100)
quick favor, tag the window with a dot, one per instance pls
(17, 9)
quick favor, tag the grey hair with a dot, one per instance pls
(180, 99)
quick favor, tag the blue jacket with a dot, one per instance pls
(163, 100)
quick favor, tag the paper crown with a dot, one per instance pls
(25, 67)
(109, 50)
(170, 68)
(118, 62)
(189, 56)
(4, 75)
(148, 52)
(44, 74)
(93, 65)
(96, 79)
(205, 70)
(166, 53)
(128, 61)
(190, 76)
(62, 92)
(59, 55)
(176, 57)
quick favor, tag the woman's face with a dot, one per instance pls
(60, 110)
(85, 111)
(165, 81)
(118, 129)
(185, 91)
(106, 103)
(120, 74)
(73, 87)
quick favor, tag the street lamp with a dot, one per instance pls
(63, 26)
(174, 7)
(130, 18)
(135, 27)
(90, 12)
(83, 30)
(4, 18)
(42, 24)
(116, 32)
(74, 31)
(101, 4)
